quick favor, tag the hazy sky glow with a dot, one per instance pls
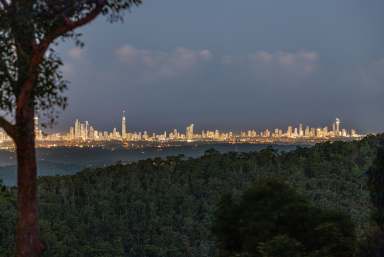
(231, 64)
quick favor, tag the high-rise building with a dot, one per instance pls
(189, 132)
(71, 133)
(343, 132)
(86, 131)
(301, 131)
(36, 122)
(276, 133)
(289, 131)
(325, 130)
(38, 132)
(123, 126)
(77, 129)
(2, 135)
(338, 126)
(91, 133)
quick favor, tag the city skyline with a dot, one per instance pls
(139, 122)
(301, 131)
(83, 132)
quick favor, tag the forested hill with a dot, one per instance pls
(164, 207)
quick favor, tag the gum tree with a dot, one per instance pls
(31, 82)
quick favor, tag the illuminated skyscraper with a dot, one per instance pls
(82, 130)
(289, 131)
(2, 135)
(91, 133)
(36, 121)
(307, 131)
(123, 126)
(71, 133)
(338, 126)
(38, 132)
(189, 132)
(86, 132)
(301, 131)
(77, 129)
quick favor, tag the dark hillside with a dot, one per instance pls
(164, 207)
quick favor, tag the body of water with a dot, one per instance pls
(67, 161)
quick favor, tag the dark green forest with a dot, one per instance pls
(166, 207)
(272, 220)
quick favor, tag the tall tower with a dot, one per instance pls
(77, 129)
(123, 126)
(189, 132)
(38, 133)
(86, 132)
(338, 126)
(301, 131)
(82, 131)
(289, 131)
(36, 122)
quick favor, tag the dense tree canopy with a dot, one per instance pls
(165, 207)
(375, 242)
(272, 220)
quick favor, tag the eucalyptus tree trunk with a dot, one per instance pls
(32, 79)
(27, 230)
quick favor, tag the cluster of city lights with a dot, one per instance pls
(83, 132)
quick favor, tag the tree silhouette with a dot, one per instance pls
(31, 82)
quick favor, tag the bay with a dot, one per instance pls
(68, 161)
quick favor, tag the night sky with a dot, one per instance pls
(231, 65)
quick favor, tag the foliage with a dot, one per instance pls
(29, 31)
(373, 246)
(7, 222)
(281, 246)
(376, 186)
(165, 207)
(272, 220)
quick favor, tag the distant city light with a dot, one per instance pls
(84, 134)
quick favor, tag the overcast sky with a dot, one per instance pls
(231, 65)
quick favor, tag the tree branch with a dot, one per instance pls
(8, 127)
(70, 26)
(27, 87)
(41, 48)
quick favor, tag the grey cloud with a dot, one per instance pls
(152, 65)
(284, 65)
(276, 67)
